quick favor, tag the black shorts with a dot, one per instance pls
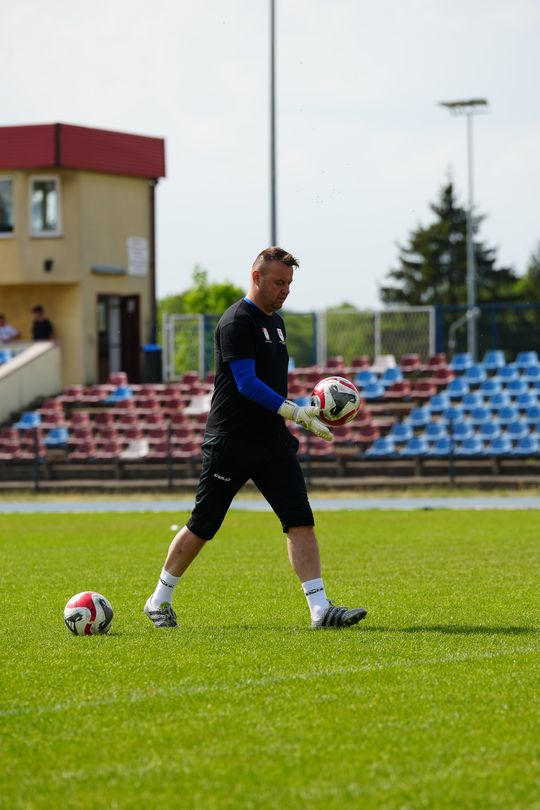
(230, 461)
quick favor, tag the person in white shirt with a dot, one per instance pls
(7, 332)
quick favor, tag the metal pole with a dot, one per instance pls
(273, 215)
(472, 331)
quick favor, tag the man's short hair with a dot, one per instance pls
(274, 254)
(38, 308)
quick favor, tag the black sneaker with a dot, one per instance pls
(163, 616)
(335, 616)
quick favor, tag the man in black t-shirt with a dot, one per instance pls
(246, 438)
(42, 328)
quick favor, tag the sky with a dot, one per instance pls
(362, 145)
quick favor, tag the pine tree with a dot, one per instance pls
(433, 268)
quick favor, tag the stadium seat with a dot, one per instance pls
(526, 359)
(531, 414)
(457, 388)
(410, 363)
(365, 377)
(498, 400)
(360, 362)
(460, 362)
(335, 364)
(423, 390)
(471, 446)
(383, 362)
(435, 362)
(507, 414)
(417, 446)
(527, 446)
(121, 393)
(508, 373)
(525, 400)
(391, 376)
(441, 377)
(439, 402)
(419, 418)
(489, 431)
(490, 387)
(461, 430)
(57, 437)
(435, 431)
(28, 420)
(475, 375)
(472, 400)
(440, 447)
(517, 430)
(531, 374)
(83, 452)
(401, 432)
(373, 391)
(366, 434)
(516, 387)
(5, 355)
(398, 390)
(480, 416)
(450, 416)
(381, 448)
(117, 378)
(501, 446)
(493, 361)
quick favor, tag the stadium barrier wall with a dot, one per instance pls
(32, 373)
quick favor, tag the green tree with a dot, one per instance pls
(530, 284)
(433, 267)
(203, 297)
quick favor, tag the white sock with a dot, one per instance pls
(316, 597)
(164, 588)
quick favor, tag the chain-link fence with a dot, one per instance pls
(188, 340)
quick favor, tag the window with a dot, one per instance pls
(44, 206)
(6, 206)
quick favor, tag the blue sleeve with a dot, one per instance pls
(250, 386)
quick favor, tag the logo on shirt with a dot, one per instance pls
(266, 334)
(281, 336)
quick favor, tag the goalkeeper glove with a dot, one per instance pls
(307, 416)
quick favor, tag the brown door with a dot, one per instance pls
(130, 337)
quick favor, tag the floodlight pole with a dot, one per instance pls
(468, 108)
(273, 208)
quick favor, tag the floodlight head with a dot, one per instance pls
(466, 106)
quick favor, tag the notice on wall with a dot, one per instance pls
(137, 250)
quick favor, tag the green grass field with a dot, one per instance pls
(431, 702)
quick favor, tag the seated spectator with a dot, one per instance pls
(7, 332)
(42, 328)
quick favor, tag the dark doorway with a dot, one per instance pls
(118, 336)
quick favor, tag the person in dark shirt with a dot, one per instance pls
(42, 328)
(246, 438)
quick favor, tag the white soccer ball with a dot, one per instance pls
(88, 613)
(338, 399)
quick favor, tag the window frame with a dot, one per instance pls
(58, 230)
(9, 234)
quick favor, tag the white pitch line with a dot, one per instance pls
(260, 683)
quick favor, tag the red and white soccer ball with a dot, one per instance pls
(338, 399)
(88, 614)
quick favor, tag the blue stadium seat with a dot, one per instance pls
(508, 373)
(417, 446)
(461, 431)
(419, 417)
(453, 414)
(365, 377)
(391, 376)
(501, 446)
(517, 430)
(475, 375)
(531, 374)
(440, 447)
(493, 360)
(28, 420)
(381, 448)
(5, 355)
(473, 399)
(121, 393)
(435, 431)
(472, 446)
(480, 416)
(528, 446)
(526, 400)
(509, 414)
(373, 391)
(498, 401)
(526, 359)
(457, 388)
(57, 437)
(516, 387)
(532, 415)
(489, 431)
(460, 362)
(490, 387)
(401, 432)
(439, 402)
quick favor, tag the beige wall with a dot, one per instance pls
(32, 374)
(98, 214)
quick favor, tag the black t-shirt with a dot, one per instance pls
(245, 332)
(42, 330)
